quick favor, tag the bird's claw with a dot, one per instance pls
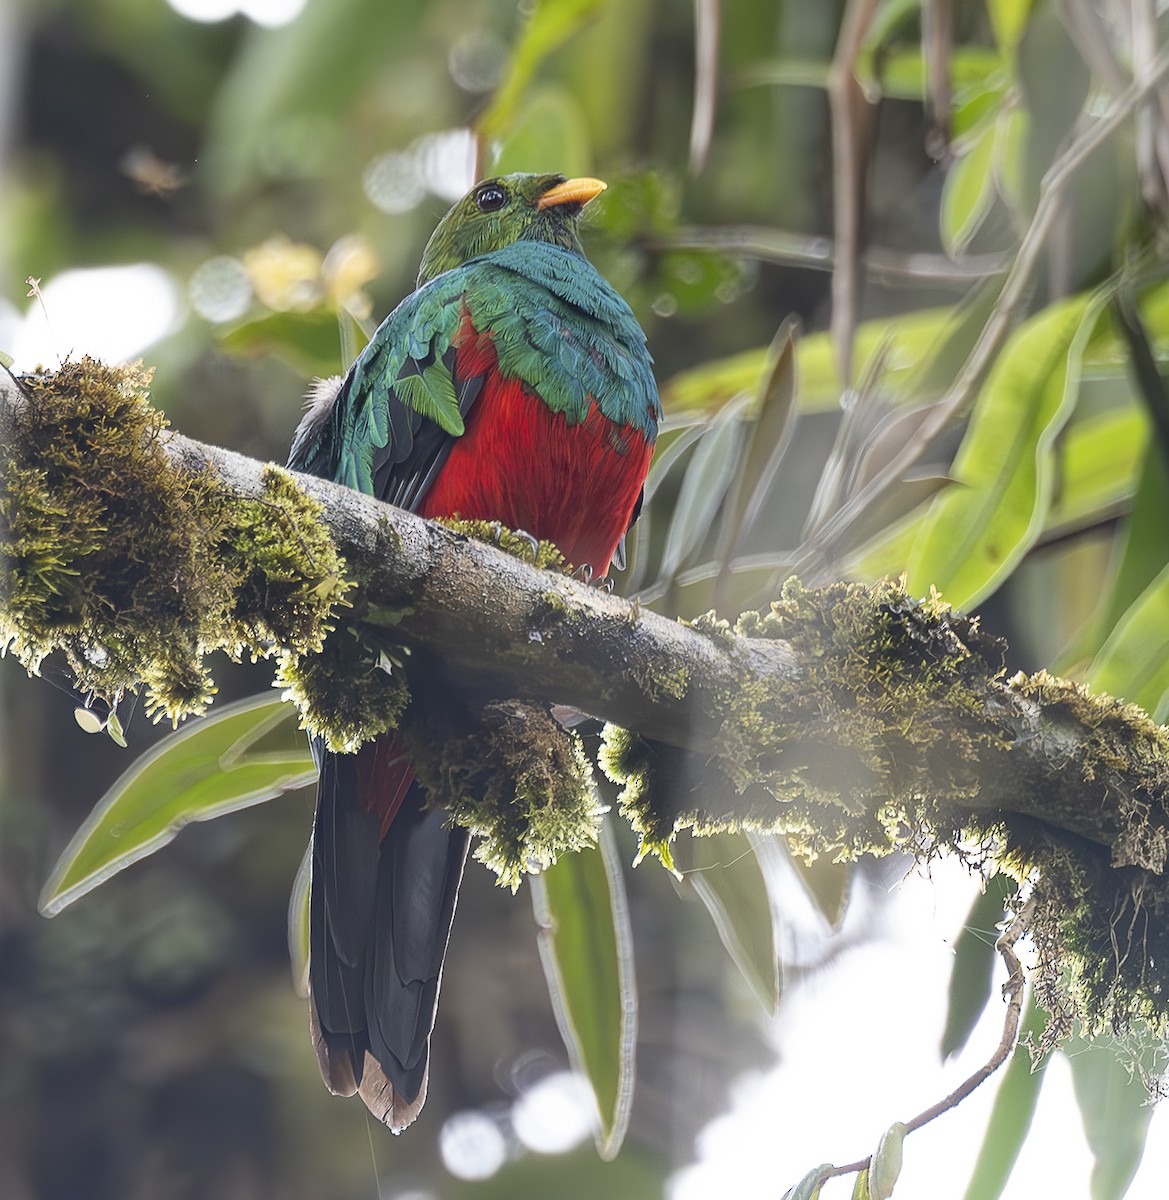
(585, 574)
(532, 543)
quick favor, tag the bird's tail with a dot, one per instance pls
(385, 880)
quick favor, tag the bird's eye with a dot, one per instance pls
(490, 198)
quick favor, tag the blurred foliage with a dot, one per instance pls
(1003, 435)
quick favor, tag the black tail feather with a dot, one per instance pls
(380, 918)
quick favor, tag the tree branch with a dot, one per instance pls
(853, 719)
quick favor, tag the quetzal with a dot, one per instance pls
(512, 385)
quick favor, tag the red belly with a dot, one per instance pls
(521, 463)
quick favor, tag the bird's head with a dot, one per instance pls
(507, 209)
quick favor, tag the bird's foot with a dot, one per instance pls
(502, 536)
(585, 574)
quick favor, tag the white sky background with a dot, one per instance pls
(859, 1050)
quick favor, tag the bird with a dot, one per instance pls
(514, 385)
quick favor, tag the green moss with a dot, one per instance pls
(518, 779)
(350, 691)
(629, 761)
(853, 748)
(133, 568)
(519, 545)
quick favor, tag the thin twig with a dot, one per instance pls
(706, 38)
(1013, 991)
(816, 553)
(852, 125)
(818, 253)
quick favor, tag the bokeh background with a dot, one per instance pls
(237, 192)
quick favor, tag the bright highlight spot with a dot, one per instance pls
(472, 1146)
(271, 13)
(439, 163)
(555, 1115)
(111, 313)
(220, 289)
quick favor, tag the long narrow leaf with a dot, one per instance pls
(208, 768)
(1115, 1106)
(974, 958)
(586, 946)
(727, 876)
(977, 532)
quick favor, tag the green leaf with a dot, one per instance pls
(906, 342)
(828, 884)
(586, 946)
(310, 341)
(551, 24)
(727, 875)
(298, 923)
(1010, 1118)
(1134, 660)
(708, 477)
(1115, 1106)
(210, 767)
(551, 128)
(974, 958)
(968, 192)
(767, 441)
(978, 531)
(1008, 19)
(860, 1189)
(1143, 549)
(1099, 463)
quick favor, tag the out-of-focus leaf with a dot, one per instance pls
(293, 82)
(968, 192)
(980, 105)
(860, 1189)
(586, 946)
(1008, 19)
(767, 442)
(551, 24)
(1099, 462)
(298, 927)
(1115, 1106)
(828, 884)
(210, 767)
(886, 1164)
(903, 72)
(1010, 1118)
(550, 129)
(974, 958)
(907, 342)
(1012, 132)
(978, 530)
(1141, 551)
(310, 341)
(727, 876)
(1134, 660)
(704, 487)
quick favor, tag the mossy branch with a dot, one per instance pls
(852, 719)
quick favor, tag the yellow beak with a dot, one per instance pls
(572, 191)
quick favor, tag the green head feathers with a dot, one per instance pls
(497, 212)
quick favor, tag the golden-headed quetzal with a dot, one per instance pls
(513, 385)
